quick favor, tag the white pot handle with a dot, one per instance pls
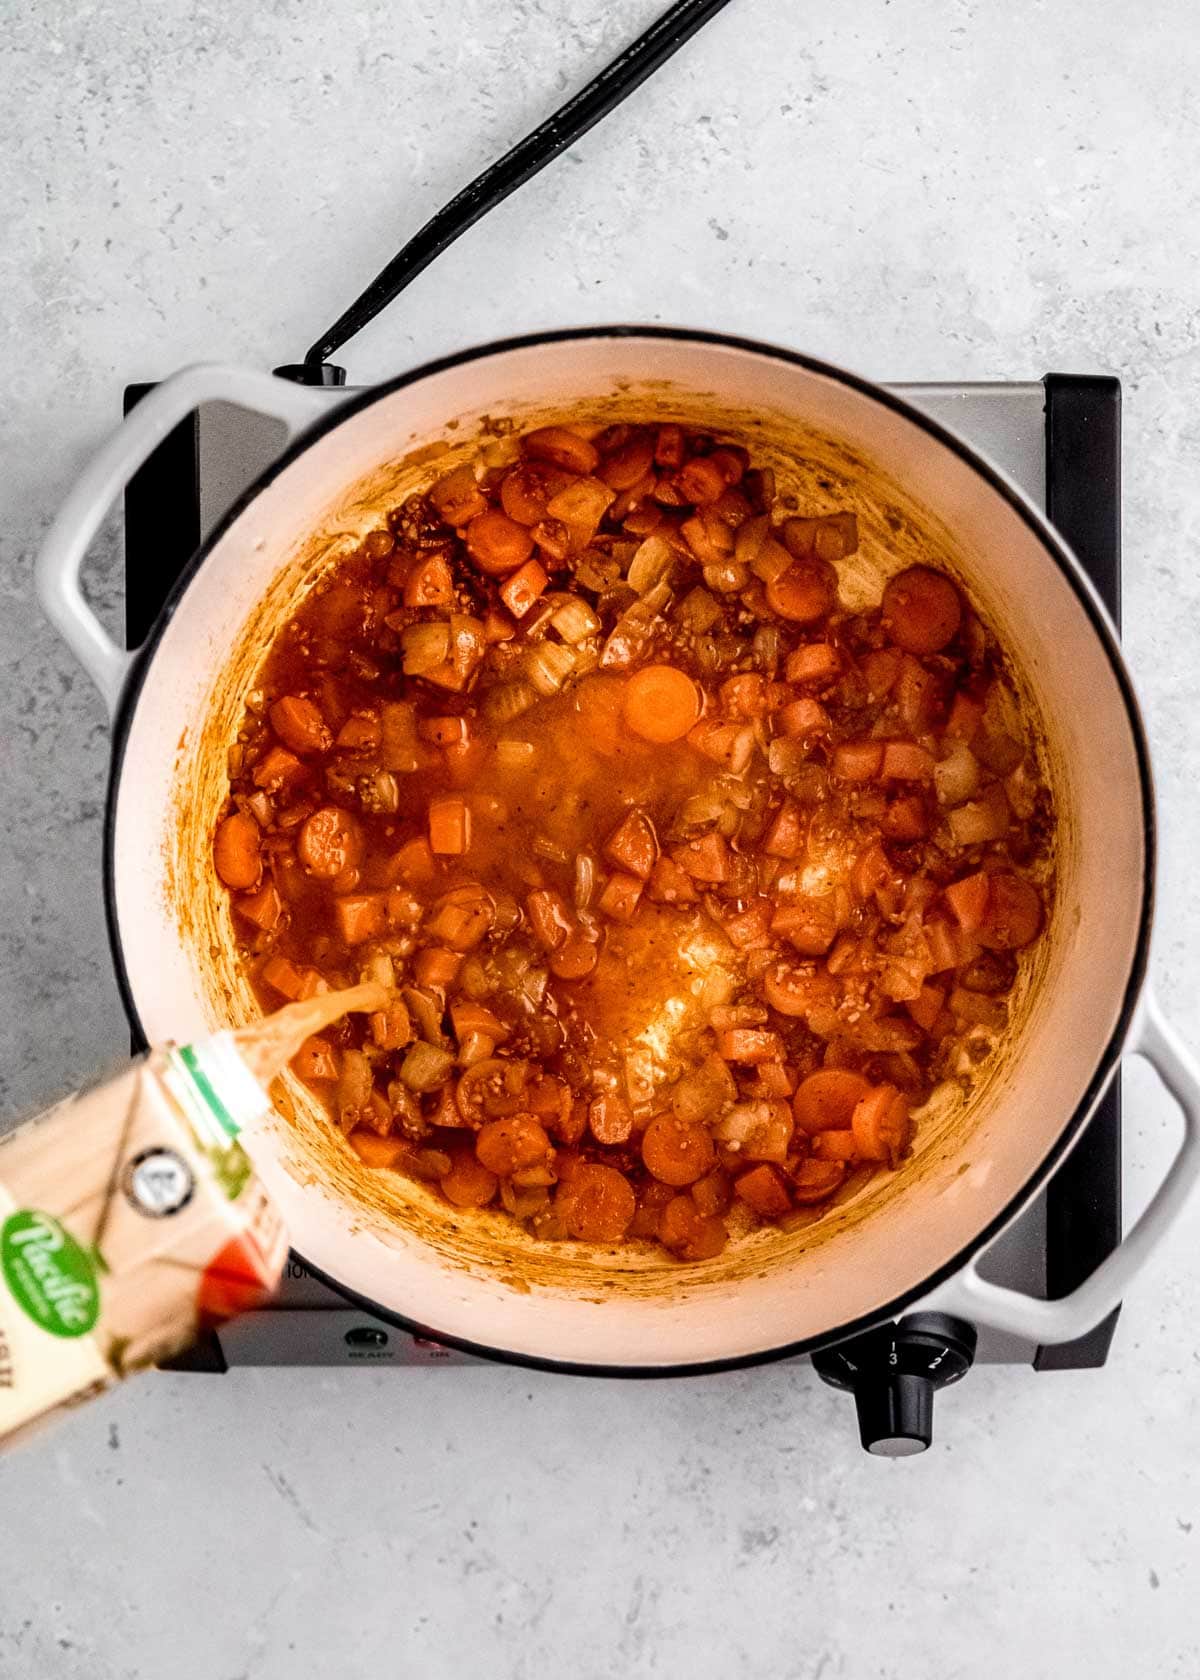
(969, 1296)
(140, 433)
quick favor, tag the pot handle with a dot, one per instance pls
(109, 471)
(969, 1296)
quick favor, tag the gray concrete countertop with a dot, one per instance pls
(933, 190)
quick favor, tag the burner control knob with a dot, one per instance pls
(894, 1372)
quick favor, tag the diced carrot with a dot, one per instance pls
(449, 826)
(919, 696)
(921, 610)
(415, 863)
(701, 481)
(786, 834)
(713, 1193)
(465, 760)
(943, 945)
(968, 899)
(316, 1061)
(633, 844)
(596, 1203)
(1014, 914)
(277, 769)
(881, 1125)
(457, 497)
(749, 1045)
(392, 1028)
(497, 544)
(668, 884)
(906, 818)
(312, 984)
(905, 761)
(522, 589)
(263, 907)
(774, 1080)
(807, 923)
(237, 850)
(359, 916)
(562, 448)
(727, 744)
(436, 965)
(763, 1189)
(429, 584)
(927, 1006)
(826, 1100)
(750, 929)
(497, 626)
(705, 859)
(744, 697)
(462, 916)
(284, 977)
(677, 1152)
(549, 918)
(299, 724)
(815, 665)
(620, 897)
(966, 714)
(815, 1181)
(857, 761)
(689, 1233)
(803, 717)
(835, 1146)
(976, 1009)
(661, 703)
(467, 1017)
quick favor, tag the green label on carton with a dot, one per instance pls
(49, 1275)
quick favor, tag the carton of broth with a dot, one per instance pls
(131, 1215)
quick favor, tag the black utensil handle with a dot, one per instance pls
(601, 95)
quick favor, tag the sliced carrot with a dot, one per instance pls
(520, 590)
(1014, 914)
(628, 464)
(921, 610)
(835, 1146)
(796, 993)
(575, 958)
(881, 1124)
(763, 1189)
(518, 1140)
(815, 1181)
(857, 761)
(263, 907)
(299, 724)
(378, 1152)
(449, 826)
(331, 841)
(562, 448)
(429, 584)
(689, 1233)
(633, 844)
(661, 703)
(744, 697)
(881, 667)
(468, 1183)
(359, 916)
(457, 497)
(677, 1152)
(596, 1203)
(810, 924)
(498, 544)
(668, 449)
(549, 918)
(316, 1061)
(749, 1045)
(467, 1017)
(805, 592)
(969, 899)
(610, 1118)
(237, 850)
(620, 896)
(826, 1100)
(927, 1006)
(713, 1193)
(701, 481)
(525, 490)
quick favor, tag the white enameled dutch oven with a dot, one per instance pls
(477, 1281)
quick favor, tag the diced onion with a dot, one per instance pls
(513, 755)
(507, 701)
(585, 880)
(651, 563)
(575, 620)
(425, 1067)
(956, 778)
(426, 646)
(548, 666)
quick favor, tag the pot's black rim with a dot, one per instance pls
(1088, 600)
